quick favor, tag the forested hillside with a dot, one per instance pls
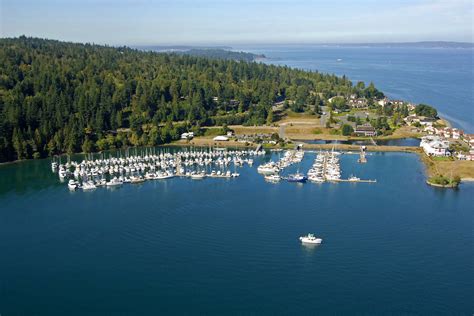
(58, 97)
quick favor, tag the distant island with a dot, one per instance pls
(217, 52)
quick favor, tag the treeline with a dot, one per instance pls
(219, 53)
(58, 97)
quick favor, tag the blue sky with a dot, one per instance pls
(136, 22)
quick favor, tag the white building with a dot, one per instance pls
(430, 130)
(383, 102)
(188, 135)
(435, 146)
(456, 133)
(221, 138)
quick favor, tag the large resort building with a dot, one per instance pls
(435, 146)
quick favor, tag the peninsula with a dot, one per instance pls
(59, 97)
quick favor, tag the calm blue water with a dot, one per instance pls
(231, 246)
(385, 142)
(443, 78)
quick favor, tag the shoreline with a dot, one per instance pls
(448, 186)
(431, 167)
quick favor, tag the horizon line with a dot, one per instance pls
(243, 43)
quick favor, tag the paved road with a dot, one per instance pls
(281, 131)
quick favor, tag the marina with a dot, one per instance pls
(111, 171)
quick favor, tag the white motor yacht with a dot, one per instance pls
(72, 185)
(273, 177)
(353, 179)
(310, 239)
(114, 182)
(198, 176)
(89, 185)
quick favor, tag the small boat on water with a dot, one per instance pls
(316, 179)
(114, 182)
(310, 239)
(297, 177)
(164, 175)
(198, 176)
(136, 179)
(269, 168)
(72, 185)
(353, 179)
(89, 185)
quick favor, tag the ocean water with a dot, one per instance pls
(217, 246)
(442, 77)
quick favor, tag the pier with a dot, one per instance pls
(362, 158)
(355, 181)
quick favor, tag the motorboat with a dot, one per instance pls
(310, 239)
(297, 177)
(72, 185)
(273, 177)
(136, 179)
(114, 182)
(89, 185)
(353, 179)
(198, 176)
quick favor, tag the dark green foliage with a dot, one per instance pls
(58, 97)
(339, 103)
(219, 53)
(426, 110)
(445, 181)
(347, 130)
(381, 124)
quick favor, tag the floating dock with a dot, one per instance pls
(355, 181)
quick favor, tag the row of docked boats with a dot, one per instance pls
(325, 167)
(115, 171)
(290, 157)
(272, 170)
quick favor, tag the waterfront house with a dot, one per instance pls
(435, 146)
(430, 130)
(456, 133)
(411, 107)
(469, 139)
(469, 156)
(397, 102)
(358, 103)
(382, 102)
(412, 119)
(427, 121)
(365, 130)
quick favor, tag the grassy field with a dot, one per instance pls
(248, 130)
(448, 167)
(403, 132)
